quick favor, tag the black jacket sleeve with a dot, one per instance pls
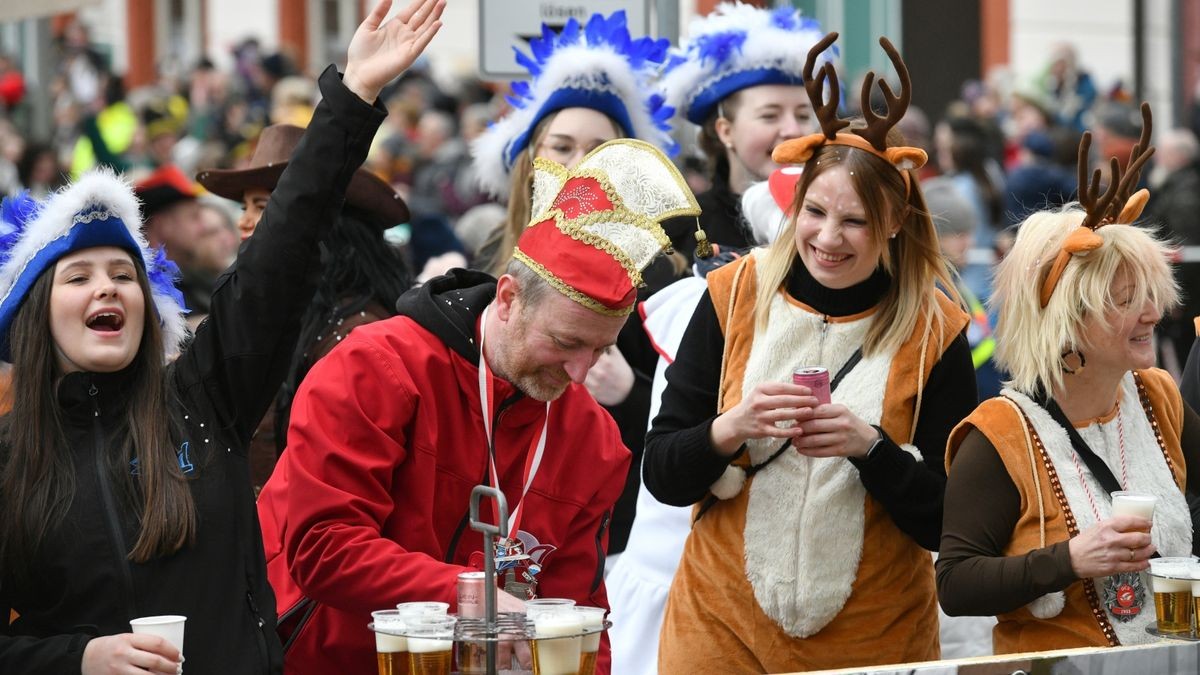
(680, 463)
(241, 352)
(1189, 384)
(911, 491)
(24, 654)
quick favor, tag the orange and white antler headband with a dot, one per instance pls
(872, 138)
(1114, 206)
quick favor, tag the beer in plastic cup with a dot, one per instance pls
(557, 647)
(1171, 581)
(168, 627)
(430, 644)
(593, 626)
(1127, 503)
(391, 651)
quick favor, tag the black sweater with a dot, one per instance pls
(680, 462)
(83, 585)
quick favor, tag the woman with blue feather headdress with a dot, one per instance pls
(589, 83)
(738, 77)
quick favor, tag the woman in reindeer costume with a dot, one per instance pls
(1029, 533)
(808, 547)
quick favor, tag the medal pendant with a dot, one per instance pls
(513, 586)
(1124, 596)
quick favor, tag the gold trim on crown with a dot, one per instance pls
(568, 290)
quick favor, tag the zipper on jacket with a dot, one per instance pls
(600, 553)
(466, 517)
(264, 658)
(116, 537)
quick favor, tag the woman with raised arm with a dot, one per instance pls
(124, 488)
(1031, 534)
(809, 546)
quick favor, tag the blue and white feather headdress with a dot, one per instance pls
(597, 66)
(99, 209)
(735, 47)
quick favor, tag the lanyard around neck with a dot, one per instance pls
(533, 457)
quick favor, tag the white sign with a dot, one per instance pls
(504, 24)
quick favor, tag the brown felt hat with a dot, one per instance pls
(276, 144)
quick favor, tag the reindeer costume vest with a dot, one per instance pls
(775, 578)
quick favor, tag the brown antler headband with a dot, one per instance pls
(872, 138)
(1114, 205)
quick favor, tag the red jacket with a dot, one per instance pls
(368, 506)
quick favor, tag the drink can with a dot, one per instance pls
(815, 378)
(470, 595)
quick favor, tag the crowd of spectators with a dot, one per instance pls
(1008, 149)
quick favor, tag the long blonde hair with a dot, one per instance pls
(913, 258)
(1030, 340)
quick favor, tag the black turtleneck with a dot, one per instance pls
(680, 463)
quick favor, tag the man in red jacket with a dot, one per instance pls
(476, 381)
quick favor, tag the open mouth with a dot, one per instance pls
(106, 322)
(829, 258)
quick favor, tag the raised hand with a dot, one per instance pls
(379, 52)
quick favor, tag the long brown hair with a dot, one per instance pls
(913, 258)
(37, 483)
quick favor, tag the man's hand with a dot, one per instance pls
(379, 52)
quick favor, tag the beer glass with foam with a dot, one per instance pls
(430, 644)
(391, 651)
(593, 626)
(1171, 581)
(1127, 503)
(422, 608)
(557, 647)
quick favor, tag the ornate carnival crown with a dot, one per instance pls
(99, 209)
(597, 66)
(1118, 204)
(597, 226)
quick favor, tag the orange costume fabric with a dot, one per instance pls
(713, 616)
(1077, 625)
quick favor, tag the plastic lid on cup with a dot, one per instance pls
(1173, 568)
(423, 608)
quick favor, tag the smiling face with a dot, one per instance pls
(97, 310)
(834, 239)
(1121, 339)
(766, 115)
(549, 343)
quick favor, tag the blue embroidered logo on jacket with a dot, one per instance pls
(181, 455)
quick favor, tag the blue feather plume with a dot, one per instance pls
(16, 212)
(162, 272)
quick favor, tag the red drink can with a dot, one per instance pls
(815, 378)
(470, 595)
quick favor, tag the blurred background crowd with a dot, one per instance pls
(1004, 145)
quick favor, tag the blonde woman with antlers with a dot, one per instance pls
(809, 547)
(1029, 532)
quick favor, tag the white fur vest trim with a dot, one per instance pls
(1148, 472)
(805, 516)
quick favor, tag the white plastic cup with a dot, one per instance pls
(539, 605)
(391, 621)
(168, 627)
(409, 609)
(1127, 503)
